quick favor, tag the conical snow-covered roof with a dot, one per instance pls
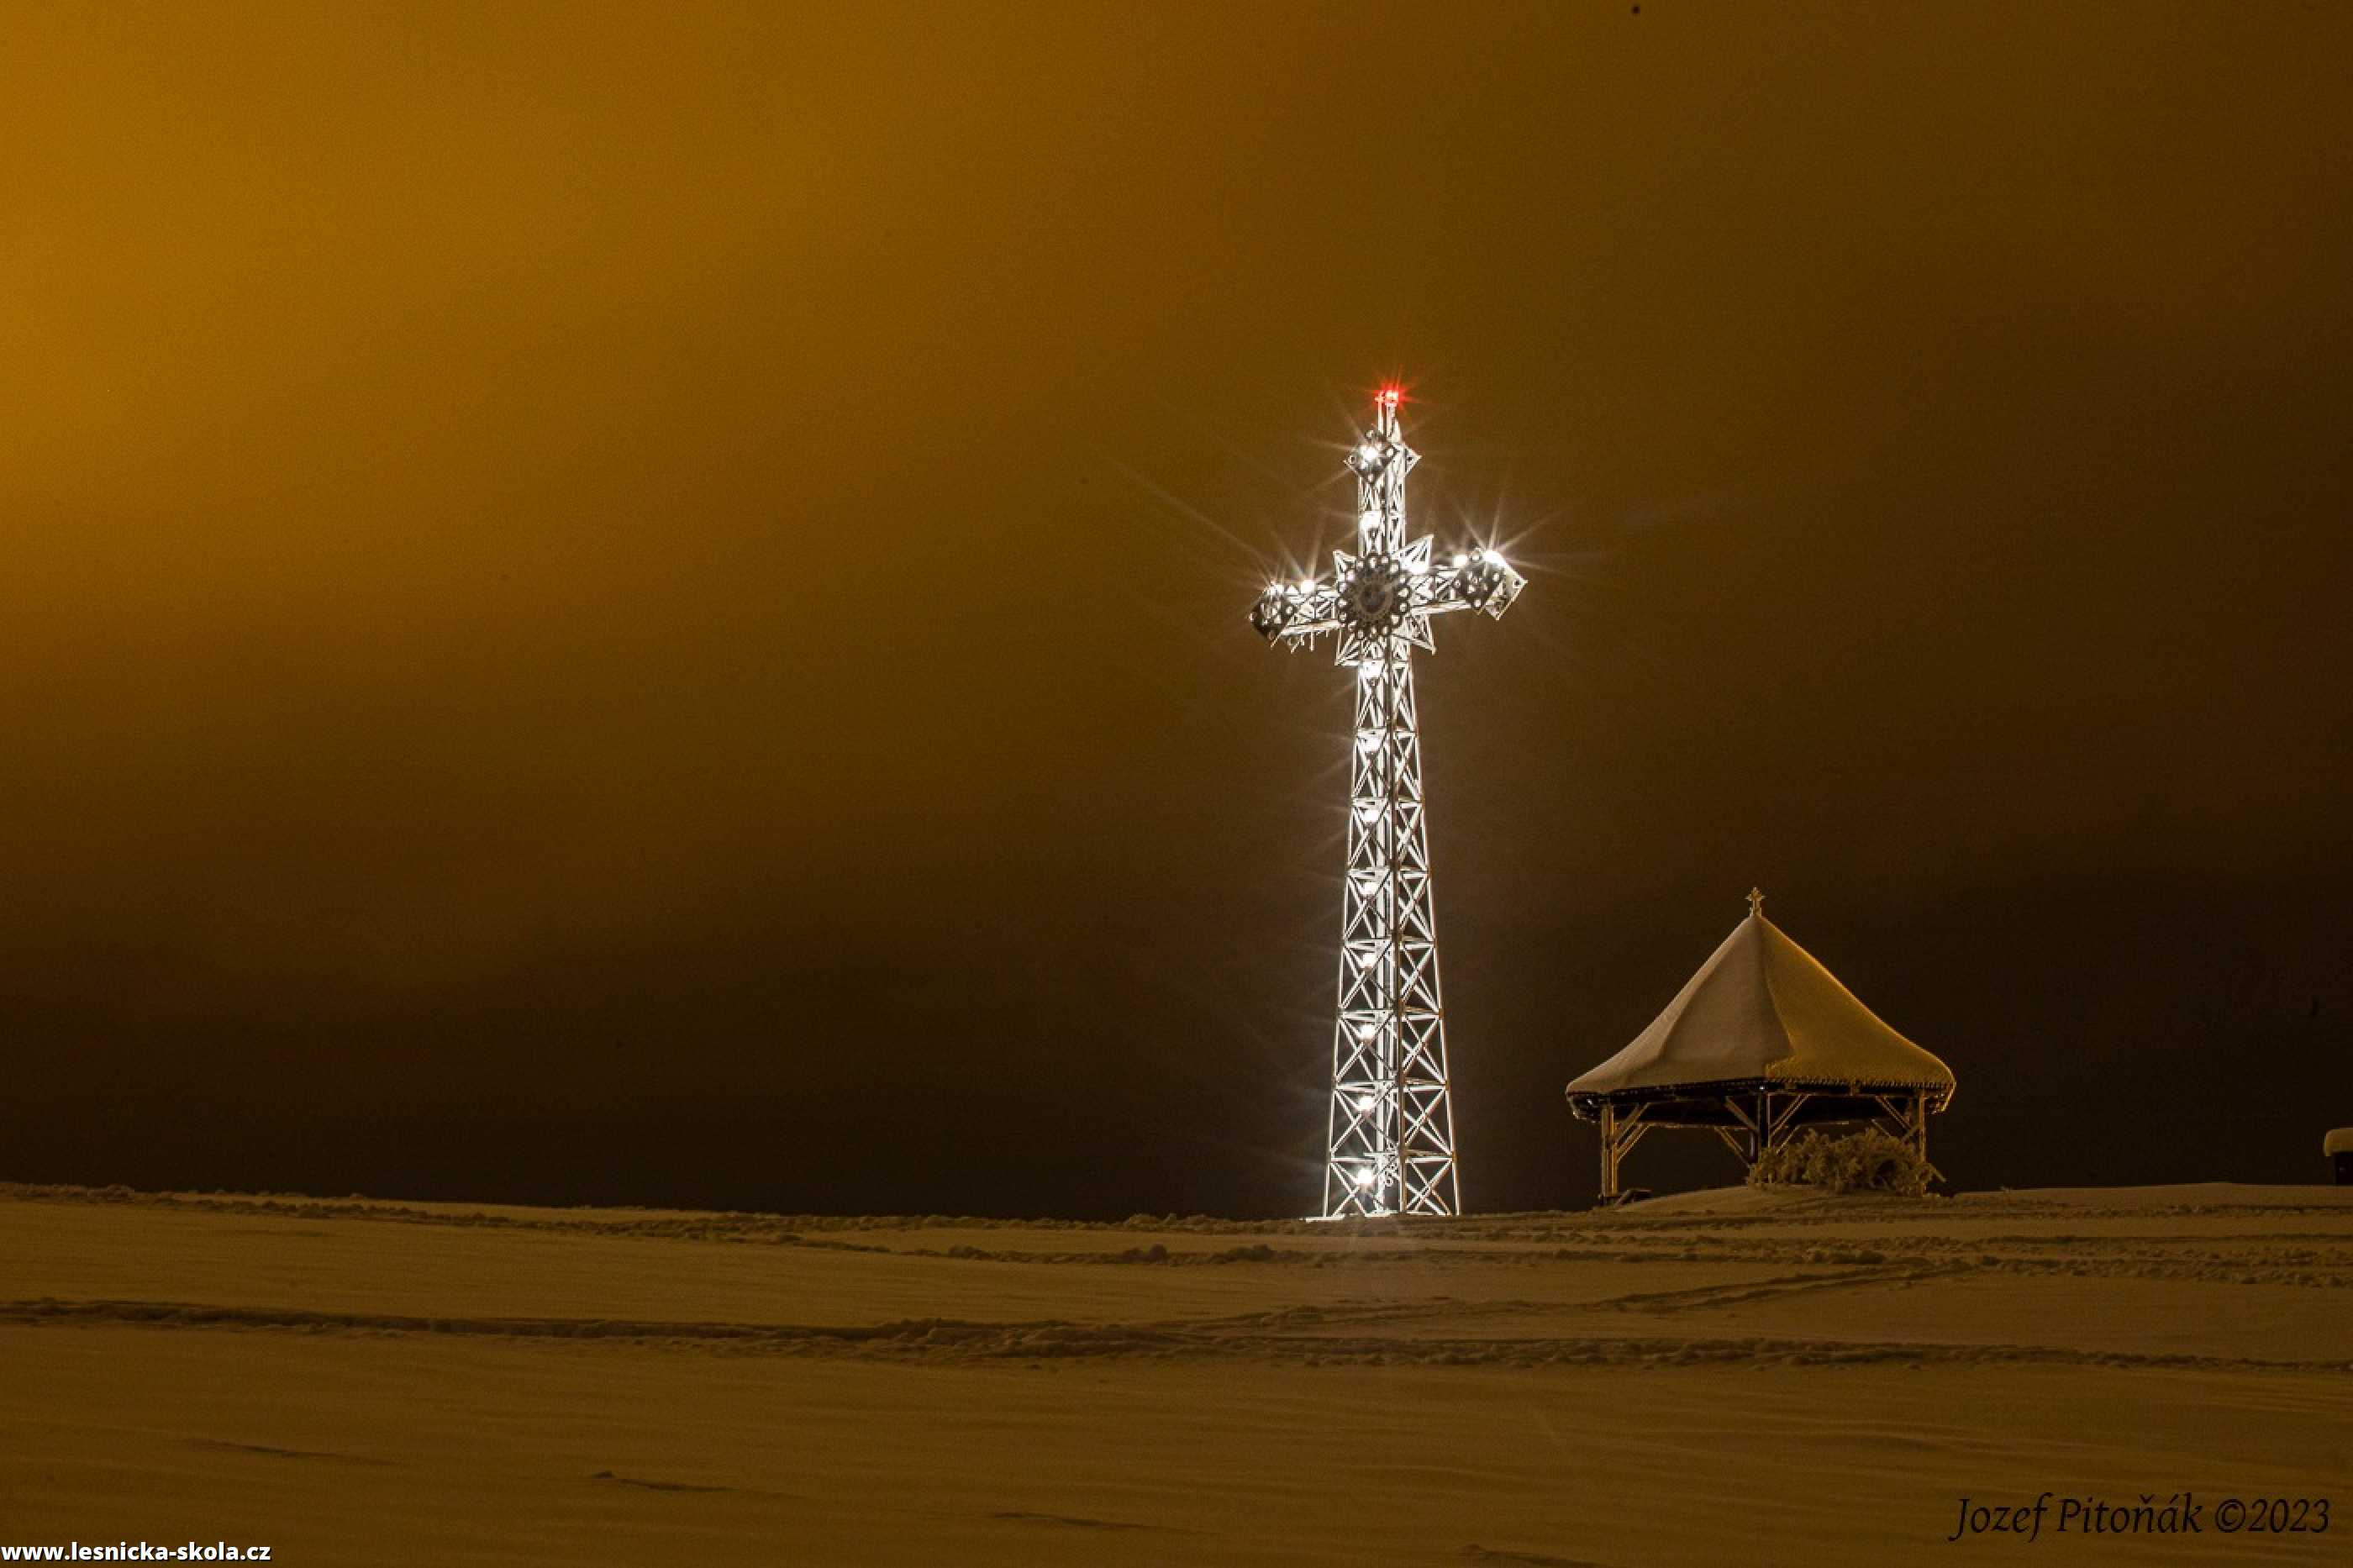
(1761, 1008)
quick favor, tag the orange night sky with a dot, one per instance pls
(609, 603)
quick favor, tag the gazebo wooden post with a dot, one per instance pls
(1608, 1151)
(1908, 1115)
(1778, 1122)
(1617, 1139)
(1749, 1141)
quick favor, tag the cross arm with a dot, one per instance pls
(1470, 580)
(1296, 612)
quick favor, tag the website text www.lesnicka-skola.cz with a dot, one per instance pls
(135, 1551)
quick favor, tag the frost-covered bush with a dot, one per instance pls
(1870, 1160)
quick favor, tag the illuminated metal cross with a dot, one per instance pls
(1392, 1125)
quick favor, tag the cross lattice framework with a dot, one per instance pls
(1391, 1145)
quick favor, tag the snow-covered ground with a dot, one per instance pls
(1712, 1378)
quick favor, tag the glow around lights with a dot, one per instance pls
(1391, 1144)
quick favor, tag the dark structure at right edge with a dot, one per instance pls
(1762, 1042)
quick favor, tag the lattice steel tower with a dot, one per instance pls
(1392, 1124)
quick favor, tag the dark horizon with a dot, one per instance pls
(607, 614)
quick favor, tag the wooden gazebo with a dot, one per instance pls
(1762, 1042)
